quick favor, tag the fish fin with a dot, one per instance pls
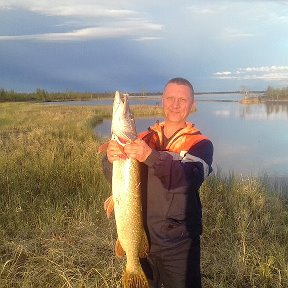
(119, 249)
(109, 206)
(144, 248)
(103, 147)
(134, 280)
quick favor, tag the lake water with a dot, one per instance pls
(248, 139)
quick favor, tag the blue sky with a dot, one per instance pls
(133, 45)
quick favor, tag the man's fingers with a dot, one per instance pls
(115, 157)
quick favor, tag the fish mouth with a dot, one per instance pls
(123, 124)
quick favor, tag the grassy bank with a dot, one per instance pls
(53, 230)
(245, 239)
(41, 95)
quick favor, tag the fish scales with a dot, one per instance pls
(126, 196)
(127, 207)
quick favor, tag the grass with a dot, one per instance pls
(52, 194)
(54, 232)
(245, 235)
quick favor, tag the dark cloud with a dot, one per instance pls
(193, 40)
(82, 66)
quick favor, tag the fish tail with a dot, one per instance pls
(135, 280)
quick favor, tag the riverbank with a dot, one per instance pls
(54, 232)
(41, 95)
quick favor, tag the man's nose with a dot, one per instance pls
(176, 103)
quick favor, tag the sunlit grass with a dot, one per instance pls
(144, 110)
(53, 229)
(245, 239)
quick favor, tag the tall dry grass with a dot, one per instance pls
(54, 232)
(52, 224)
(245, 239)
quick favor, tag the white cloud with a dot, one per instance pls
(268, 73)
(264, 69)
(89, 20)
(225, 73)
(70, 8)
(128, 28)
(148, 38)
(83, 11)
(237, 20)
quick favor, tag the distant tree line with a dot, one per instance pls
(44, 96)
(276, 93)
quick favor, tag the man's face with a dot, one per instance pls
(177, 102)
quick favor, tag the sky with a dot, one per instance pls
(136, 46)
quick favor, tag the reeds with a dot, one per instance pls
(41, 95)
(53, 229)
(245, 239)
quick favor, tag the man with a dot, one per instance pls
(176, 158)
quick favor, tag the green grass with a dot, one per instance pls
(41, 95)
(245, 239)
(53, 229)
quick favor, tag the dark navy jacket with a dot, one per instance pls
(171, 178)
(176, 170)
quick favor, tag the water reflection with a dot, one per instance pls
(277, 108)
(151, 100)
(265, 111)
(248, 139)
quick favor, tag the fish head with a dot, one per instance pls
(123, 124)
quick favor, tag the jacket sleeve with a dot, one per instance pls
(178, 173)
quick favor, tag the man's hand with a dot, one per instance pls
(138, 150)
(115, 151)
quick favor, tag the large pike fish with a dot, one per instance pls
(126, 198)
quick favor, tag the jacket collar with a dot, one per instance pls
(188, 130)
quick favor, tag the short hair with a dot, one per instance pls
(180, 81)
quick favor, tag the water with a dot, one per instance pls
(149, 100)
(248, 139)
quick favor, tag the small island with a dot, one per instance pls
(270, 95)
